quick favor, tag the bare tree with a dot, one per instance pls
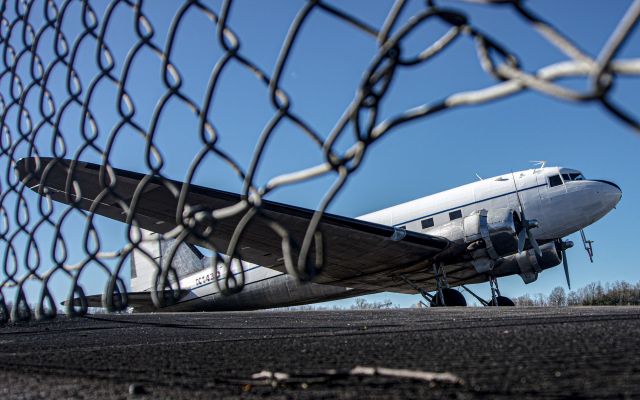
(524, 301)
(557, 297)
(540, 300)
(573, 299)
(363, 304)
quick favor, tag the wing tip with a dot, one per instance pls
(22, 166)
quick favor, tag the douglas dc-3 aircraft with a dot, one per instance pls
(509, 224)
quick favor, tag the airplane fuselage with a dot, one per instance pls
(560, 210)
(560, 199)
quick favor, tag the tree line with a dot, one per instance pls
(619, 293)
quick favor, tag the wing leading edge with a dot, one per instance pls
(357, 253)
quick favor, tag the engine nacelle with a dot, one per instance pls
(483, 233)
(527, 264)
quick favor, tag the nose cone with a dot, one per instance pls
(603, 197)
(609, 193)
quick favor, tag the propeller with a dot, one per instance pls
(526, 225)
(525, 233)
(563, 245)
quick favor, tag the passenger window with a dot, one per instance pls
(427, 223)
(555, 180)
(455, 215)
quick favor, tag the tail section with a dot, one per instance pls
(187, 260)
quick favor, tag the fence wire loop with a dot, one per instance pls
(46, 81)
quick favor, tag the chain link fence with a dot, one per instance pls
(48, 84)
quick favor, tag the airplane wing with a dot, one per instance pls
(357, 254)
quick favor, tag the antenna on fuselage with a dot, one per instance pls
(538, 164)
(479, 177)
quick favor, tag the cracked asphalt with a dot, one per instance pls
(582, 352)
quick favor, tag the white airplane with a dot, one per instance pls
(509, 224)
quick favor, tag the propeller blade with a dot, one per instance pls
(534, 243)
(565, 263)
(521, 238)
(527, 225)
(515, 185)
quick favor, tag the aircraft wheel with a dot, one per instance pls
(452, 298)
(502, 302)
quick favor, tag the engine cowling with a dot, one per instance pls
(491, 233)
(527, 264)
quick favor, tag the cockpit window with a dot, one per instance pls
(574, 176)
(554, 180)
(577, 177)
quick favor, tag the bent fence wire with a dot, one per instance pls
(37, 101)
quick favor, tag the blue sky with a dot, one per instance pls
(416, 159)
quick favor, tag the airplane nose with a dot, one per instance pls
(610, 192)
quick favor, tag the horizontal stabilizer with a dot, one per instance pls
(140, 301)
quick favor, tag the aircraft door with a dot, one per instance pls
(538, 200)
(550, 198)
(542, 190)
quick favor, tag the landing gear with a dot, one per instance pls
(445, 296)
(501, 301)
(496, 298)
(451, 297)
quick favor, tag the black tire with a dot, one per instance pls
(502, 302)
(452, 298)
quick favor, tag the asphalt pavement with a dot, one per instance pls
(583, 352)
